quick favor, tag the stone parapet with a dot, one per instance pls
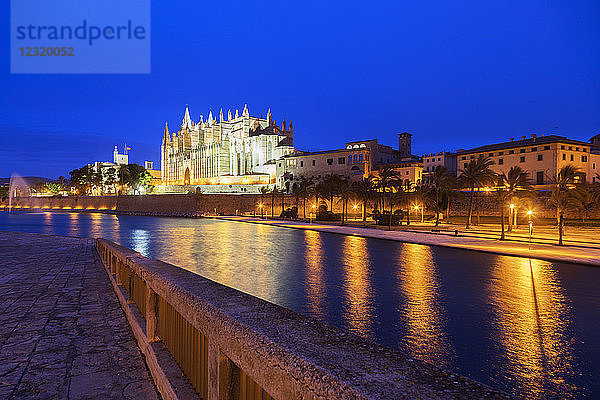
(240, 344)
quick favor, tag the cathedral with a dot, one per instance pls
(239, 149)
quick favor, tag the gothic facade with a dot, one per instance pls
(237, 149)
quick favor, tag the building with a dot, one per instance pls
(541, 156)
(433, 161)
(236, 150)
(379, 154)
(350, 163)
(154, 173)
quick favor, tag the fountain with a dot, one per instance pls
(18, 188)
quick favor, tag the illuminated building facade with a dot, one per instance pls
(238, 149)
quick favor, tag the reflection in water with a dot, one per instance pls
(315, 266)
(358, 299)
(48, 228)
(531, 319)
(73, 224)
(141, 240)
(96, 222)
(422, 311)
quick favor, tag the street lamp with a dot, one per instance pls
(260, 205)
(355, 207)
(417, 209)
(314, 206)
(529, 214)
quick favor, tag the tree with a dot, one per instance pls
(443, 185)
(53, 187)
(387, 179)
(330, 188)
(364, 191)
(345, 193)
(134, 176)
(510, 184)
(111, 178)
(274, 192)
(303, 190)
(563, 195)
(81, 179)
(264, 190)
(585, 199)
(476, 174)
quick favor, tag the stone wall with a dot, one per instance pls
(163, 205)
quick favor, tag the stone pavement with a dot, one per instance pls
(581, 255)
(63, 333)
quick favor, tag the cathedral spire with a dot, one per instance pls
(210, 118)
(229, 115)
(291, 128)
(269, 118)
(221, 115)
(166, 136)
(245, 113)
(237, 114)
(283, 125)
(187, 121)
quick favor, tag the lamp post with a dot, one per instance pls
(529, 214)
(260, 206)
(510, 217)
(313, 212)
(355, 207)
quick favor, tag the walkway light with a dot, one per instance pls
(529, 214)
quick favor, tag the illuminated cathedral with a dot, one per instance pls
(239, 149)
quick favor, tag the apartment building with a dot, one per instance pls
(351, 164)
(541, 156)
(433, 161)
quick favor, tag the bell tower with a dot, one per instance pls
(405, 144)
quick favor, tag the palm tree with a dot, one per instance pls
(264, 190)
(563, 195)
(585, 199)
(303, 190)
(387, 178)
(364, 190)
(510, 184)
(476, 174)
(345, 193)
(443, 183)
(274, 192)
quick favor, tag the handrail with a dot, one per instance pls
(233, 345)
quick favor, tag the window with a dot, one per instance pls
(427, 169)
(465, 165)
(571, 157)
(302, 163)
(583, 158)
(500, 161)
(511, 152)
(534, 149)
(280, 165)
(500, 153)
(491, 154)
(540, 158)
(521, 150)
(570, 147)
(314, 162)
(355, 158)
(464, 158)
(522, 159)
(439, 159)
(406, 172)
(342, 160)
(330, 161)
(594, 166)
(564, 157)
(546, 147)
(540, 178)
(562, 147)
(350, 159)
(584, 150)
(576, 148)
(472, 157)
(360, 157)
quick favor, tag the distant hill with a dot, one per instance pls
(28, 179)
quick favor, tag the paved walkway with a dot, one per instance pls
(542, 251)
(62, 331)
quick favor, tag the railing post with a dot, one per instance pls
(220, 374)
(129, 287)
(118, 274)
(151, 314)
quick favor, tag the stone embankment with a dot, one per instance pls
(229, 344)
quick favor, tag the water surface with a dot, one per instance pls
(525, 326)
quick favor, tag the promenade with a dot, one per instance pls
(63, 333)
(543, 251)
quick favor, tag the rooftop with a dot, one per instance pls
(531, 141)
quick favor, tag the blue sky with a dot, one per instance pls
(454, 74)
